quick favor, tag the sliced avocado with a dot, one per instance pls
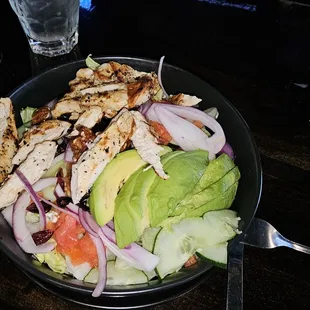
(131, 206)
(108, 184)
(216, 169)
(185, 171)
(214, 191)
(223, 201)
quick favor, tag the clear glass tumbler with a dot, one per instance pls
(51, 26)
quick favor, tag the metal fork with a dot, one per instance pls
(263, 235)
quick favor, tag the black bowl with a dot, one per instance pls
(43, 88)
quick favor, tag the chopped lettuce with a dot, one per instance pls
(158, 96)
(54, 260)
(78, 271)
(26, 115)
(213, 112)
(90, 63)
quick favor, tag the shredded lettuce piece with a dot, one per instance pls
(53, 259)
(213, 112)
(90, 63)
(26, 115)
(158, 96)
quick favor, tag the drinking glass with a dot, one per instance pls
(51, 26)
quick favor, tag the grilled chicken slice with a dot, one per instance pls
(90, 117)
(8, 137)
(109, 83)
(145, 144)
(103, 88)
(103, 149)
(109, 102)
(66, 106)
(46, 131)
(184, 100)
(125, 73)
(36, 164)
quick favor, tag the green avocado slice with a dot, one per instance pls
(131, 207)
(185, 171)
(105, 189)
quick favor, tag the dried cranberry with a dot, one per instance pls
(62, 202)
(33, 208)
(42, 236)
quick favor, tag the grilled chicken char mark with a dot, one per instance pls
(46, 131)
(8, 138)
(35, 165)
(125, 127)
(100, 153)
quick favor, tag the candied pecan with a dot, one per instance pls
(40, 115)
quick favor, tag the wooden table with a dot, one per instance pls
(253, 58)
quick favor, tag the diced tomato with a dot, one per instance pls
(198, 124)
(163, 134)
(72, 240)
(50, 225)
(191, 261)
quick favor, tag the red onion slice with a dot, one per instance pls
(59, 192)
(217, 140)
(34, 197)
(91, 222)
(144, 107)
(73, 208)
(134, 255)
(227, 149)
(85, 224)
(151, 114)
(188, 136)
(102, 266)
(111, 225)
(165, 94)
(69, 154)
(66, 211)
(20, 229)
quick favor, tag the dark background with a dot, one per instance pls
(254, 52)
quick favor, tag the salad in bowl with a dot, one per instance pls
(117, 182)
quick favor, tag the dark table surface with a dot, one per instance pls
(256, 53)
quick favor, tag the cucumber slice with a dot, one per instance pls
(174, 249)
(176, 245)
(215, 227)
(118, 277)
(124, 277)
(151, 274)
(216, 254)
(109, 255)
(121, 265)
(149, 237)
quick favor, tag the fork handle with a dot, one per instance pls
(296, 246)
(234, 299)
